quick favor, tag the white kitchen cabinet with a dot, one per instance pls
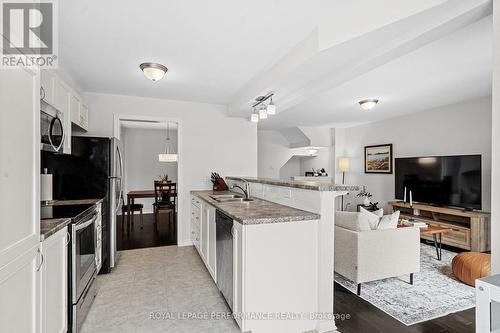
(75, 109)
(238, 273)
(20, 293)
(204, 232)
(20, 204)
(195, 223)
(47, 86)
(54, 283)
(211, 261)
(79, 112)
(84, 117)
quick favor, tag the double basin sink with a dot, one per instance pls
(229, 198)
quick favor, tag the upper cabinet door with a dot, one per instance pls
(47, 86)
(75, 109)
(19, 162)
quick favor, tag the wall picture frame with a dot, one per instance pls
(379, 159)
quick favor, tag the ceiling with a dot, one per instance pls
(211, 48)
(154, 125)
(319, 57)
(455, 68)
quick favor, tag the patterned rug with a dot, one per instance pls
(435, 293)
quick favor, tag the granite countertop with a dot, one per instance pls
(303, 184)
(74, 202)
(257, 211)
(48, 227)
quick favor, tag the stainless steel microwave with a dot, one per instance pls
(51, 128)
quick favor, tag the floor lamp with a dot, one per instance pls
(344, 165)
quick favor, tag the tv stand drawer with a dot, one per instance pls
(458, 237)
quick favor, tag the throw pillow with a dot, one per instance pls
(367, 220)
(389, 221)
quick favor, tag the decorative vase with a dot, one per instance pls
(366, 201)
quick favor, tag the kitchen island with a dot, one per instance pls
(282, 252)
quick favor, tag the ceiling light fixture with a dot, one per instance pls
(153, 71)
(271, 108)
(263, 113)
(254, 118)
(368, 104)
(261, 110)
(170, 155)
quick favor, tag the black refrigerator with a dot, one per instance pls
(94, 170)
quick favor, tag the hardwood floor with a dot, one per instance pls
(364, 317)
(138, 238)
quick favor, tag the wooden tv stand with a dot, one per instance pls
(470, 230)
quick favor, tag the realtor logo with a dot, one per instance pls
(29, 34)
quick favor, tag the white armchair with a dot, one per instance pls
(369, 255)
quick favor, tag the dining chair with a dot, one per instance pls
(165, 200)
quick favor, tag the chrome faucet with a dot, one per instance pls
(245, 190)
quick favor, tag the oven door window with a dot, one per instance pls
(85, 255)
(52, 131)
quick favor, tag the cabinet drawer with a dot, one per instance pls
(459, 237)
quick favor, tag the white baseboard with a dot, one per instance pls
(185, 243)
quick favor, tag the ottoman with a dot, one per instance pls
(469, 266)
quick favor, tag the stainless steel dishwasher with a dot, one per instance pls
(224, 246)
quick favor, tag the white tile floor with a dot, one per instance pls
(165, 280)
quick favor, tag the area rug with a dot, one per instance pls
(435, 293)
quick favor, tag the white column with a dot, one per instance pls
(495, 149)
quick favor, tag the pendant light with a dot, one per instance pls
(271, 108)
(170, 155)
(263, 112)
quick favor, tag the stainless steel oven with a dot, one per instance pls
(83, 267)
(51, 128)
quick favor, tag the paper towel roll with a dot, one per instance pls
(45, 187)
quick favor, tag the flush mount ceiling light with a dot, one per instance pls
(169, 155)
(153, 71)
(368, 104)
(261, 110)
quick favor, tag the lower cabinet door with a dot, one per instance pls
(55, 283)
(204, 233)
(212, 246)
(20, 293)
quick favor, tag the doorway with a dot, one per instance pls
(150, 209)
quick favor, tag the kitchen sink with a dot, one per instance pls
(229, 198)
(225, 196)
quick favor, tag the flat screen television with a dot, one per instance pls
(453, 181)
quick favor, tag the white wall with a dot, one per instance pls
(141, 148)
(209, 140)
(495, 193)
(463, 128)
(291, 168)
(274, 153)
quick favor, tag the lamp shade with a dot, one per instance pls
(271, 108)
(344, 164)
(167, 157)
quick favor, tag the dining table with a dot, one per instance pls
(137, 194)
